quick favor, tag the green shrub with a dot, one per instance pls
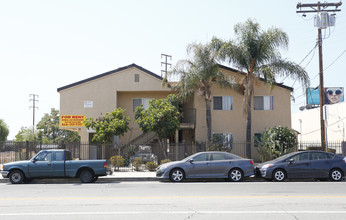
(165, 161)
(151, 166)
(137, 163)
(117, 161)
(275, 142)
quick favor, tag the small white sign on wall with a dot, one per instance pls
(88, 104)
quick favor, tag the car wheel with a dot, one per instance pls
(16, 177)
(279, 175)
(86, 176)
(176, 175)
(235, 175)
(336, 175)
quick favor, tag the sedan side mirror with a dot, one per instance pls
(191, 160)
(291, 160)
(34, 160)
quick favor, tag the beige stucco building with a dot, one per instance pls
(130, 86)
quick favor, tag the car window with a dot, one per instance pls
(59, 156)
(44, 156)
(318, 156)
(330, 156)
(201, 157)
(219, 156)
(299, 157)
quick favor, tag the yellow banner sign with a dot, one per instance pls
(72, 120)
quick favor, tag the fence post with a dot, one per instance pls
(27, 150)
(343, 147)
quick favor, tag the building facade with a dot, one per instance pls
(128, 87)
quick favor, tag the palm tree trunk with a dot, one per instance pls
(208, 118)
(248, 131)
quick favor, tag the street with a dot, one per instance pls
(166, 200)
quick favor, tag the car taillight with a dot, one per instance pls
(251, 162)
(105, 165)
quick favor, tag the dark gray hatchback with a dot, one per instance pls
(304, 164)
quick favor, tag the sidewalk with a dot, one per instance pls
(114, 177)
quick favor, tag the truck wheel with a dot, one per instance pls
(16, 177)
(86, 176)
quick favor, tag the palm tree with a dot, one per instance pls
(199, 74)
(256, 53)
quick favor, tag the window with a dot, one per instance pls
(219, 156)
(201, 157)
(141, 101)
(44, 156)
(223, 139)
(59, 156)
(257, 139)
(263, 102)
(136, 77)
(299, 157)
(318, 156)
(223, 103)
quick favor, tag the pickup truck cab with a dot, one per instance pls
(54, 164)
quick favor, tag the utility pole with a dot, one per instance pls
(322, 20)
(165, 63)
(33, 99)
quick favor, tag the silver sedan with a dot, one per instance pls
(208, 164)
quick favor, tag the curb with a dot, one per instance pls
(100, 180)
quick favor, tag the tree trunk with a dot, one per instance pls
(248, 131)
(208, 118)
(162, 145)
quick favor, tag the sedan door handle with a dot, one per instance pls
(49, 164)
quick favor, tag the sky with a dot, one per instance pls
(46, 44)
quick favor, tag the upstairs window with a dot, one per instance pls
(223, 103)
(263, 102)
(136, 77)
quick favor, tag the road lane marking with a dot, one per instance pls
(171, 197)
(178, 213)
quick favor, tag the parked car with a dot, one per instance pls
(304, 164)
(207, 165)
(54, 164)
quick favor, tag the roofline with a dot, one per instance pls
(242, 73)
(109, 73)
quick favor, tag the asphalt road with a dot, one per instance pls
(166, 200)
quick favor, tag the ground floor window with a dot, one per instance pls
(141, 101)
(223, 139)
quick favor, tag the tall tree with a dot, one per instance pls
(200, 73)
(4, 131)
(26, 134)
(49, 131)
(161, 117)
(256, 53)
(112, 124)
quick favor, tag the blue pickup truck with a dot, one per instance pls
(54, 164)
